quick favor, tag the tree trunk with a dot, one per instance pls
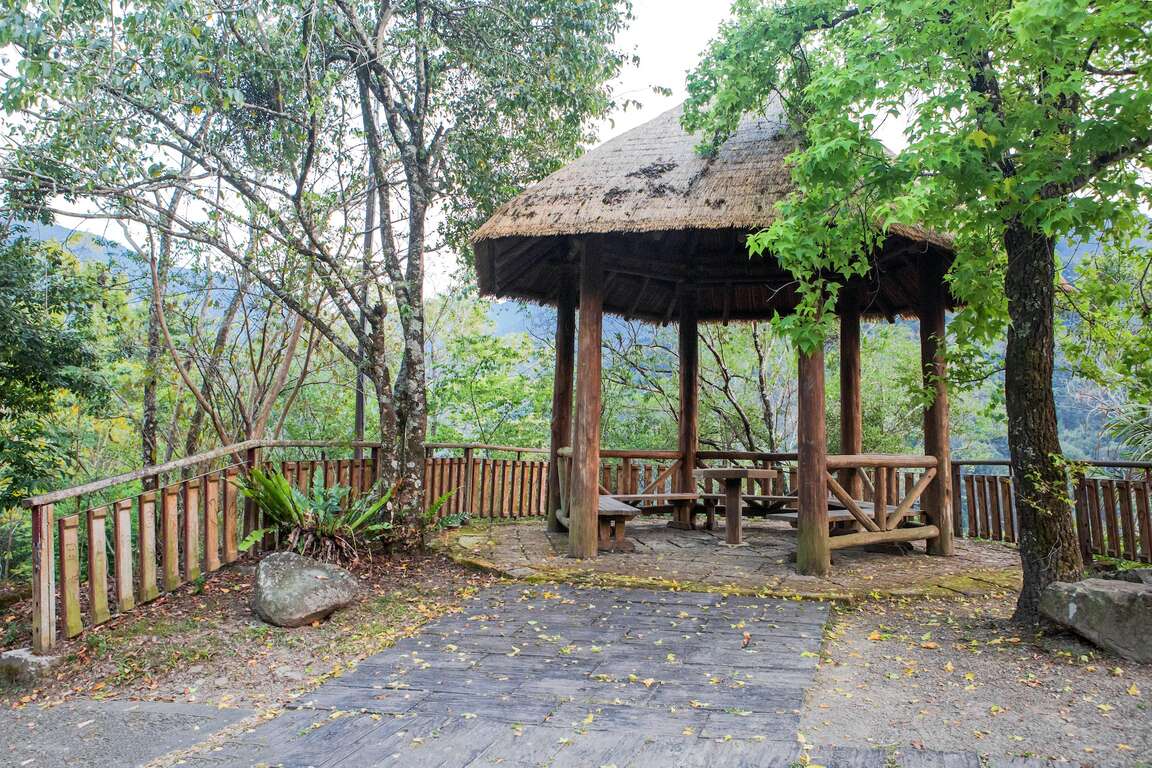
(411, 399)
(212, 367)
(1048, 546)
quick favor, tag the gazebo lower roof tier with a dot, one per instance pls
(667, 219)
(646, 273)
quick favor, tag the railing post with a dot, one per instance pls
(957, 518)
(466, 505)
(377, 466)
(1083, 527)
(251, 461)
(43, 580)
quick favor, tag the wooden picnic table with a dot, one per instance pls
(733, 479)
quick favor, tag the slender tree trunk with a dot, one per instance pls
(212, 368)
(411, 399)
(365, 268)
(1048, 546)
(150, 417)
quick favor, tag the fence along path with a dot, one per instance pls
(150, 531)
(1111, 499)
(135, 536)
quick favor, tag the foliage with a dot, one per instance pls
(51, 314)
(1070, 115)
(1108, 311)
(321, 523)
(489, 389)
(1023, 123)
(1133, 427)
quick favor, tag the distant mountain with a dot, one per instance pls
(84, 245)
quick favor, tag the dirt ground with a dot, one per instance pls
(202, 644)
(955, 674)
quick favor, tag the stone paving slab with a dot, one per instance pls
(699, 560)
(560, 677)
(112, 733)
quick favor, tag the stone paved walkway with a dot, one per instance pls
(105, 733)
(700, 560)
(554, 677)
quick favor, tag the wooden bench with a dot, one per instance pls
(613, 515)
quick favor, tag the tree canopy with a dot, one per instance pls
(1011, 125)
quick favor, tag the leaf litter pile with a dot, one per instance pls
(202, 644)
(956, 674)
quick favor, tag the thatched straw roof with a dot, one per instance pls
(669, 219)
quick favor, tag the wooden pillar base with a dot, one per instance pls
(813, 555)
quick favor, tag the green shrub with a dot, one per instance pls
(321, 524)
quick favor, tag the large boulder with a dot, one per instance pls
(1116, 615)
(292, 590)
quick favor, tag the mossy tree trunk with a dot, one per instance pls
(1048, 545)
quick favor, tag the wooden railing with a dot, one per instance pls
(891, 490)
(485, 481)
(158, 528)
(1112, 503)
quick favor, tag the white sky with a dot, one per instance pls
(669, 36)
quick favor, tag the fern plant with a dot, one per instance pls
(1133, 427)
(319, 524)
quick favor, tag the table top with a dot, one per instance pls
(734, 473)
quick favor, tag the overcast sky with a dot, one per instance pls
(668, 36)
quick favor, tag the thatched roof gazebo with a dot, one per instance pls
(645, 227)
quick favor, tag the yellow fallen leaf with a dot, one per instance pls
(1133, 690)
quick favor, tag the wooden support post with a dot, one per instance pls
(170, 537)
(146, 543)
(377, 468)
(689, 430)
(585, 471)
(191, 530)
(937, 500)
(212, 523)
(251, 511)
(812, 553)
(733, 509)
(122, 535)
(98, 565)
(70, 574)
(465, 499)
(231, 546)
(561, 435)
(43, 580)
(851, 420)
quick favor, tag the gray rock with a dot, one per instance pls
(23, 667)
(1116, 615)
(1140, 575)
(292, 591)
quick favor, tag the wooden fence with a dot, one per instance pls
(105, 547)
(485, 481)
(136, 536)
(1111, 501)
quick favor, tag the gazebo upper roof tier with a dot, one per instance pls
(668, 219)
